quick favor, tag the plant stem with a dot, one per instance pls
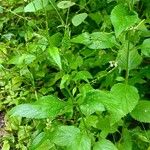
(128, 53)
(71, 96)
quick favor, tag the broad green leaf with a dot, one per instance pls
(83, 38)
(66, 135)
(24, 59)
(91, 105)
(82, 75)
(99, 40)
(133, 60)
(126, 97)
(96, 40)
(72, 138)
(145, 47)
(82, 142)
(65, 4)
(36, 5)
(142, 111)
(104, 144)
(120, 101)
(122, 18)
(45, 107)
(79, 18)
(55, 55)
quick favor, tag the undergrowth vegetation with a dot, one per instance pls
(75, 75)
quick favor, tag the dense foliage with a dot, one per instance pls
(75, 75)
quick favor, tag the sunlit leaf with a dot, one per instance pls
(122, 18)
(145, 47)
(104, 144)
(142, 111)
(65, 4)
(45, 107)
(79, 18)
(55, 55)
(36, 5)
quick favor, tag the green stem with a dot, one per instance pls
(82, 116)
(127, 67)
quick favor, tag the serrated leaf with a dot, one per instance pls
(72, 138)
(54, 54)
(36, 5)
(66, 135)
(79, 18)
(142, 111)
(120, 101)
(82, 142)
(96, 40)
(122, 18)
(145, 47)
(45, 107)
(104, 144)
(133, 60)
(99, 40)
(65, 4)
(91, 105)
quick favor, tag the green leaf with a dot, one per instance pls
(126, 140)
(39, 139)
(6, 145)
(72, 138)
(104, 144)
(120, 101)
(122, 18)
(65, 4)
(82, 75)
(79, 18)
(133, 60)
(54, 54)
(91, 105)
(142, 111)
(36, 5)
(126, 97)
(66, 135)
(24, 59)
(64, 80)
(96, 40)
(82, 142)
(45, 107)
(145, 47)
